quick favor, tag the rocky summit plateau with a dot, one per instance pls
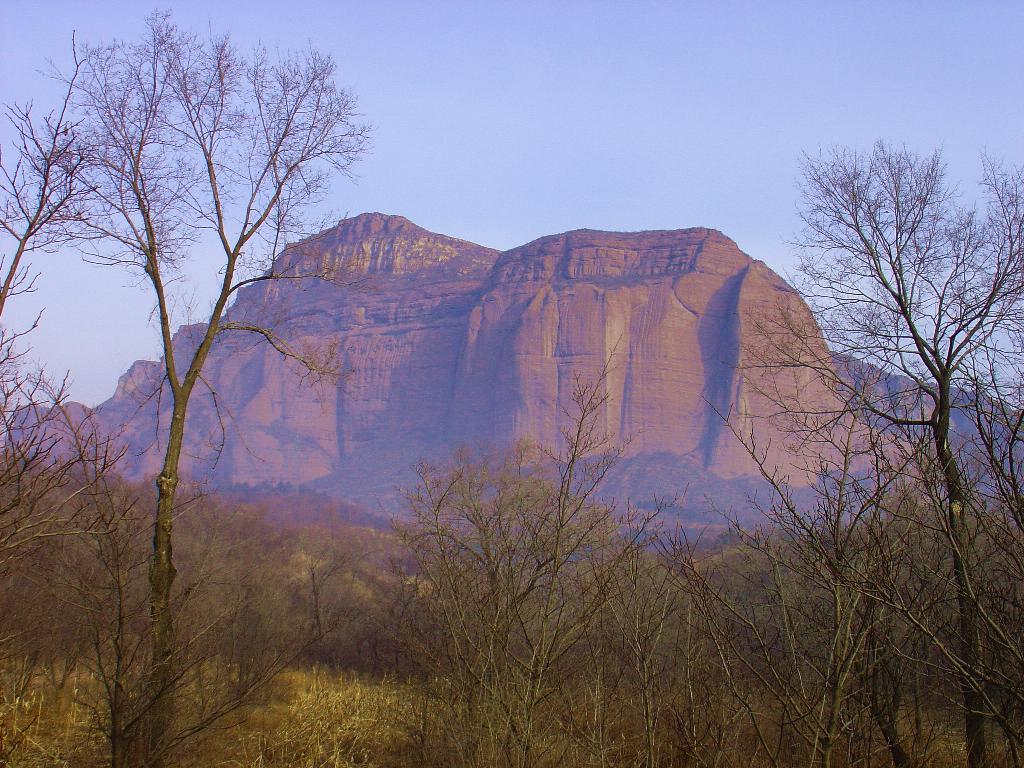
(445, 343)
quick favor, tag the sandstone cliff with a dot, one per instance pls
(444, 343)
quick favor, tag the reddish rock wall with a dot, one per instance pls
(444, 342)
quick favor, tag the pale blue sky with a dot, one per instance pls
(499, 122)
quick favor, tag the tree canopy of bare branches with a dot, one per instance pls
(515, 560)
(921, 298)
(193, 142)
(41, 187)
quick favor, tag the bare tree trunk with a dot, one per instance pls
(900, 758)
(969, 636)
(118, 745)
(884, 713)
(161, 581)
(970, 644)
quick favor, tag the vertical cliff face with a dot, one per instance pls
(443, 342)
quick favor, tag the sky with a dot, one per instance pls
(500, 122)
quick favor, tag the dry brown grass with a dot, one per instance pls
(313, 719)
(307, 719)
(49, 729)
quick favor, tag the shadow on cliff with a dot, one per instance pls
(719, 335)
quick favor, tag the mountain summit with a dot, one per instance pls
(443, 343)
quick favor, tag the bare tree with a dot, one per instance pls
(643, 605)
(240, 626)
(786, 610)
(991, 454)
(513, 563)
(907, 280)
(35, 476)
(41, 200)
(41, 187)
(195, 143)
(42, 193)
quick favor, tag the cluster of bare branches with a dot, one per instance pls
(80, 608)
(871, 619)
(42, 198)
(545, 628)
(159, 150)
(42, 191)
(517, 576)
(921, 300)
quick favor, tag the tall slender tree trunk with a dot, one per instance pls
(118, 743)
(884, 713)
(967, 612)
(887, 725)
(970, 642)
(161, 581)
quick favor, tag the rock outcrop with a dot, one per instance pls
(443, 342)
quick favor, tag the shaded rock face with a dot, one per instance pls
(445, 343)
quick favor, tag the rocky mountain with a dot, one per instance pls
(445, 343)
